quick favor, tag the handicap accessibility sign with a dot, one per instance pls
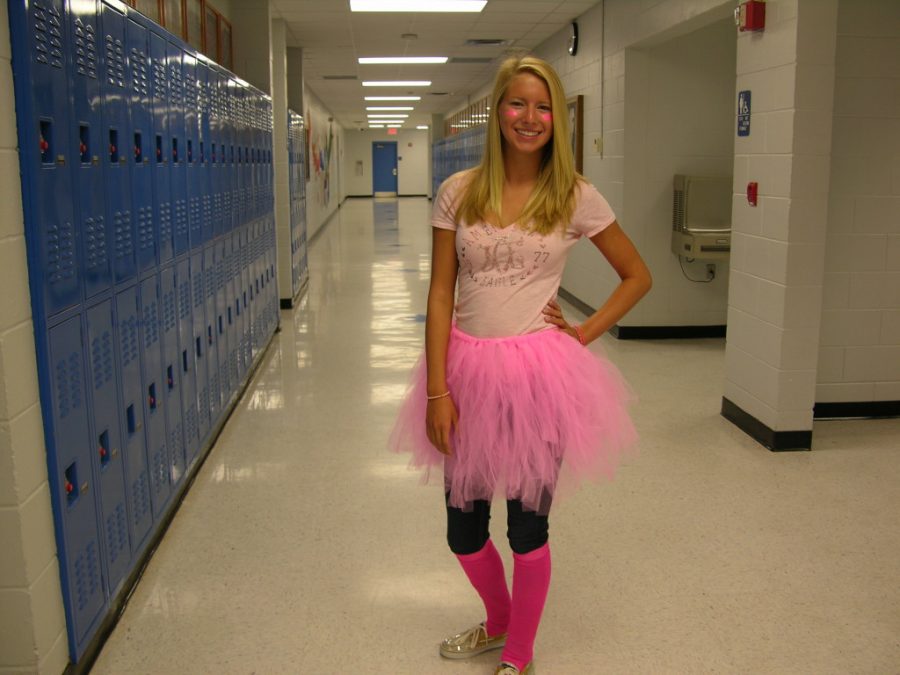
(743, 113)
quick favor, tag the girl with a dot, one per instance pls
(508, 398)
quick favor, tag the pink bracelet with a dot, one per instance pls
(580, 335)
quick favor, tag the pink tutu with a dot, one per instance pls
(537, 413)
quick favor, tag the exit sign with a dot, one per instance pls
(392, 132)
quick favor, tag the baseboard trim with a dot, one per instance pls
(856, 409)
(647, 332)
(578, 304)
(667, 332)
(776, 441)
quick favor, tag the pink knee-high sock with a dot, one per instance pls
(531, 580)
(485, 571)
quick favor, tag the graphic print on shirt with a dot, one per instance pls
(495, 257)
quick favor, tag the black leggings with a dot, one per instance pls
(467, 531)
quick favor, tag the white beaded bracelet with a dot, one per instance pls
(432, 398)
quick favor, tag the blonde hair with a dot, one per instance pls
(552, 201)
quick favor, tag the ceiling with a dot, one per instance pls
(333, 38)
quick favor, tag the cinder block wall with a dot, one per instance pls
(859, 353)
(32, 620)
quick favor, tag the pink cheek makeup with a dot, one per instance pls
(512, 113)
(546, 118)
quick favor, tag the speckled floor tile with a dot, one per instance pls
(305, 547)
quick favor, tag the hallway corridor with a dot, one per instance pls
(305, 547)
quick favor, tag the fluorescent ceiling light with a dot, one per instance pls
(376, 126)
(371, 60)
(394, 126)
(422, 126)
(394, 117)
(393, 98)
(388, 107)
(399, 83)
(417, 5)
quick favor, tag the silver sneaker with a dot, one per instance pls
(510, 669)
(471, 643)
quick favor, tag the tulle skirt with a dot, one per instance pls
(538, 414)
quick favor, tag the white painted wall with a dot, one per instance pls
(32, 621)
(326, 141)
(859, 354)
(413, 161)
(679, 117)
(680, 51)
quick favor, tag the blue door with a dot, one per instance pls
(384, 168)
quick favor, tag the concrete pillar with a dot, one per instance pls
(251, 23)
(295, 79)
(280, 160)
(778, 248)
(437, 127)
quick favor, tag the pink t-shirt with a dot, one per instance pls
(507, 275)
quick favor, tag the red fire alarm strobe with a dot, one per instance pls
(752, 193)
(751, 15)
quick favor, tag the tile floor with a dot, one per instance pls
(305, 547)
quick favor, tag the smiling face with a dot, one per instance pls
(526, 114)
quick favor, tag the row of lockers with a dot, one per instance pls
(149, 223)
(149, 150)
(138, 383)
(456, 153)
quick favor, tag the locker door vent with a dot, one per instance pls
(87, 575)
(61, 252)
(124, 240)
(95, 243)
(117, 533)
(140, 498)
(85, 49)
(151, 323)
(68, 383)
(102, 359)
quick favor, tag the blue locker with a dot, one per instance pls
(172, 372)
(247, 326)
(106, 436)
(141, 141)
(39, 42)
(211, 331)
(230, 316)
(237, 281)
(162, 190)
(187, 360)
(71, 479)
(246, 179)
(229, 138)
(251, 287)
(88, 152)
(134, 448)
(116, 144)
(154, 386)
(204, 185)
(199, 343)
(192, 149)
(217, 159)
(237, 94)
(222, 334)
(177, 152)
